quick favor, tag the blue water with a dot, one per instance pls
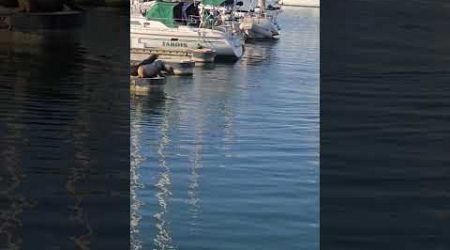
(64, 100)
(384, 125)
(229, 158)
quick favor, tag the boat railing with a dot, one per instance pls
(176, 22)
(215, 24)
(196, 22)
(226, 26)
(264, 15)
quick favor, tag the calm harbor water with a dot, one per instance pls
(62, 107)
(229, 158)
(384, 125)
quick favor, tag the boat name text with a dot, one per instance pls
(174, 44)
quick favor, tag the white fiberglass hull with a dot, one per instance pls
(259, 28)
(224, 44)
(302, 3)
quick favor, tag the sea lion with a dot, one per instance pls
(149, 60)
(5, 23)
(154, 69)
(150, 70)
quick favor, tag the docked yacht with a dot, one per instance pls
(180, 25)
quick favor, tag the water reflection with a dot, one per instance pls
(232, 152)
(194, 186)
(77, 175)
(11, 177)
(28, 106)
(139, 104)
(163, 239)
(57, 122)
(258, 52)
(135, 162)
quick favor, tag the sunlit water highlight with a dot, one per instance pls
(229, 158)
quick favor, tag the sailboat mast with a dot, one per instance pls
(262, 5)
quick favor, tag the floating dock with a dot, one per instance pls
(196, 55)
(182, 68)
(171, 67)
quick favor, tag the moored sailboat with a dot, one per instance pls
(180, 25)
(259, 20)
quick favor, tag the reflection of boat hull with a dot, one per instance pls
(143, 85)
(302, 3)
(25, 39)
(160, 36)
(43, 20)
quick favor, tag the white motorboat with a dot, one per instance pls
(302, 3)
(164, 27)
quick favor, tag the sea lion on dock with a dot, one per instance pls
(153, 70)
(5, 23)
(149, 60)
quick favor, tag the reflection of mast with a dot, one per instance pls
(11, 179)
(228, 128)
(194, 199)
(227, 123)
(11, 176)
(163, 240)
(78, 173)
(135, 184)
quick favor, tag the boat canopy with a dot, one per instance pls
(213, 2)
(163, 12)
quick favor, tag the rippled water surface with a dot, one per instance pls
(229, 158)
(64, 137)
(384, 125)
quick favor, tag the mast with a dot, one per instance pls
(262, 5)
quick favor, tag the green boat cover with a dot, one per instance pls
(212, 2)
(163, 12)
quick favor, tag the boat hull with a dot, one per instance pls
(224, 44)
(259, 28)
